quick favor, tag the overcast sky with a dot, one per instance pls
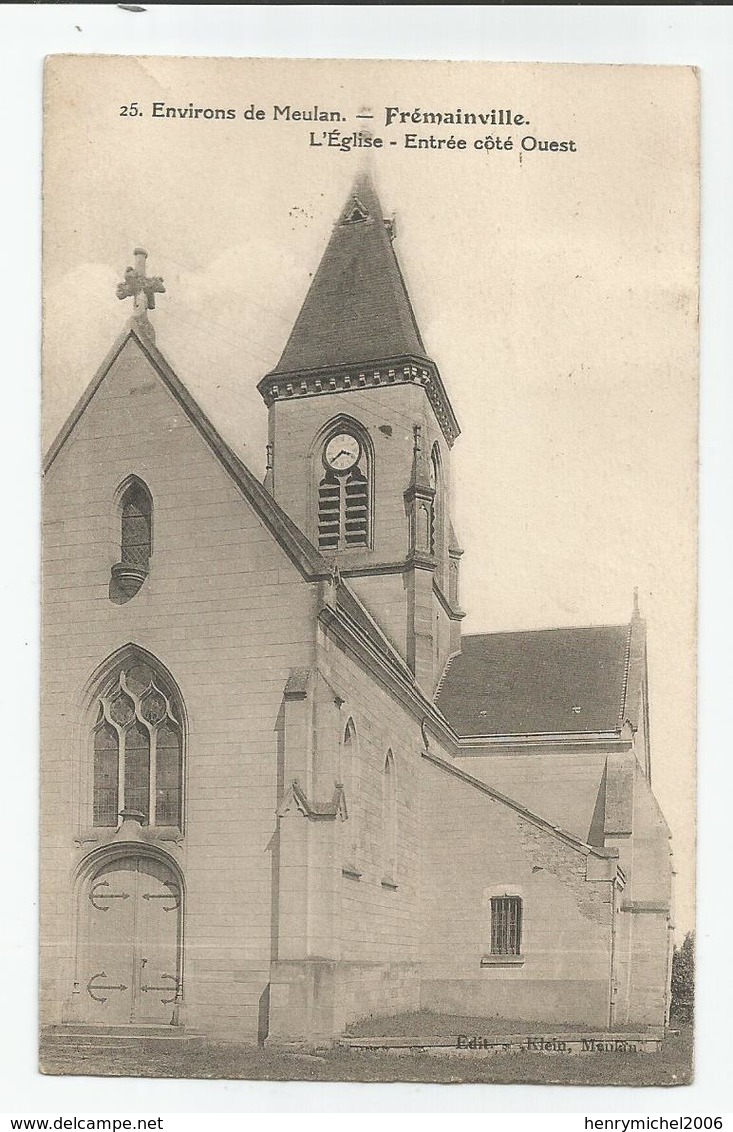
(555, 290)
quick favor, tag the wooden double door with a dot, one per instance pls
(130, 967)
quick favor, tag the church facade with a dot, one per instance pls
(281, 791)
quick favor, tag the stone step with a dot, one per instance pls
(130, 1030)
(80, 1040)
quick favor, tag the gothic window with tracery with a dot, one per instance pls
(138, 749)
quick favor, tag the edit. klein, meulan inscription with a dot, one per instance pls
(571, 1044)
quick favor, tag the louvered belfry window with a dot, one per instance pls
(343, 510)
(506, 925)
(138, 749)
(329, 512)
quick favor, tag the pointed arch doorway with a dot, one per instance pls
(129, 959)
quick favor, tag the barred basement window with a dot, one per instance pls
(138, 749)
(506, 925)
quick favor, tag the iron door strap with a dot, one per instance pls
(147, 988)
(94, 896)
(93, 986)
(172, 895)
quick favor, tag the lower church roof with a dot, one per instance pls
(549, 681)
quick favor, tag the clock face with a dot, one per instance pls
(342, 452)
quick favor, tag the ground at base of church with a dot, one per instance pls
(672, 1065)
(430, 1024)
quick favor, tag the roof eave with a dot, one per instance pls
(558, 739)
(336, 378)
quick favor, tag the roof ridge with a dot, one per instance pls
(544, 629)
(625, 683)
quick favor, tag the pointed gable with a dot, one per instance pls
(357, 309)
(295, 544)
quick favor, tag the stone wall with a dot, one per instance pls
(475, 848)
(227, 614)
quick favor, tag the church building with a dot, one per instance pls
(281, 790)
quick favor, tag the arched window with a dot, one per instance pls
(136, 540)
(344, 488)
(389, 818)
(136, 533)
(351, 782)
(138, 748)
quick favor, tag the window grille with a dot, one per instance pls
(136, 527)
(506, 925)
(138, 750)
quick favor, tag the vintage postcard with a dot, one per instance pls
(369, 570)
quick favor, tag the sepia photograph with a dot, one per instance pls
(369, 493)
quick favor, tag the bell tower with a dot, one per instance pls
(360, 434)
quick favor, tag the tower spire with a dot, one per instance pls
(357, 310)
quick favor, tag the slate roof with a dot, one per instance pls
(548, 681)
(357, 309)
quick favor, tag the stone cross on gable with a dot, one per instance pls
(142, 289)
